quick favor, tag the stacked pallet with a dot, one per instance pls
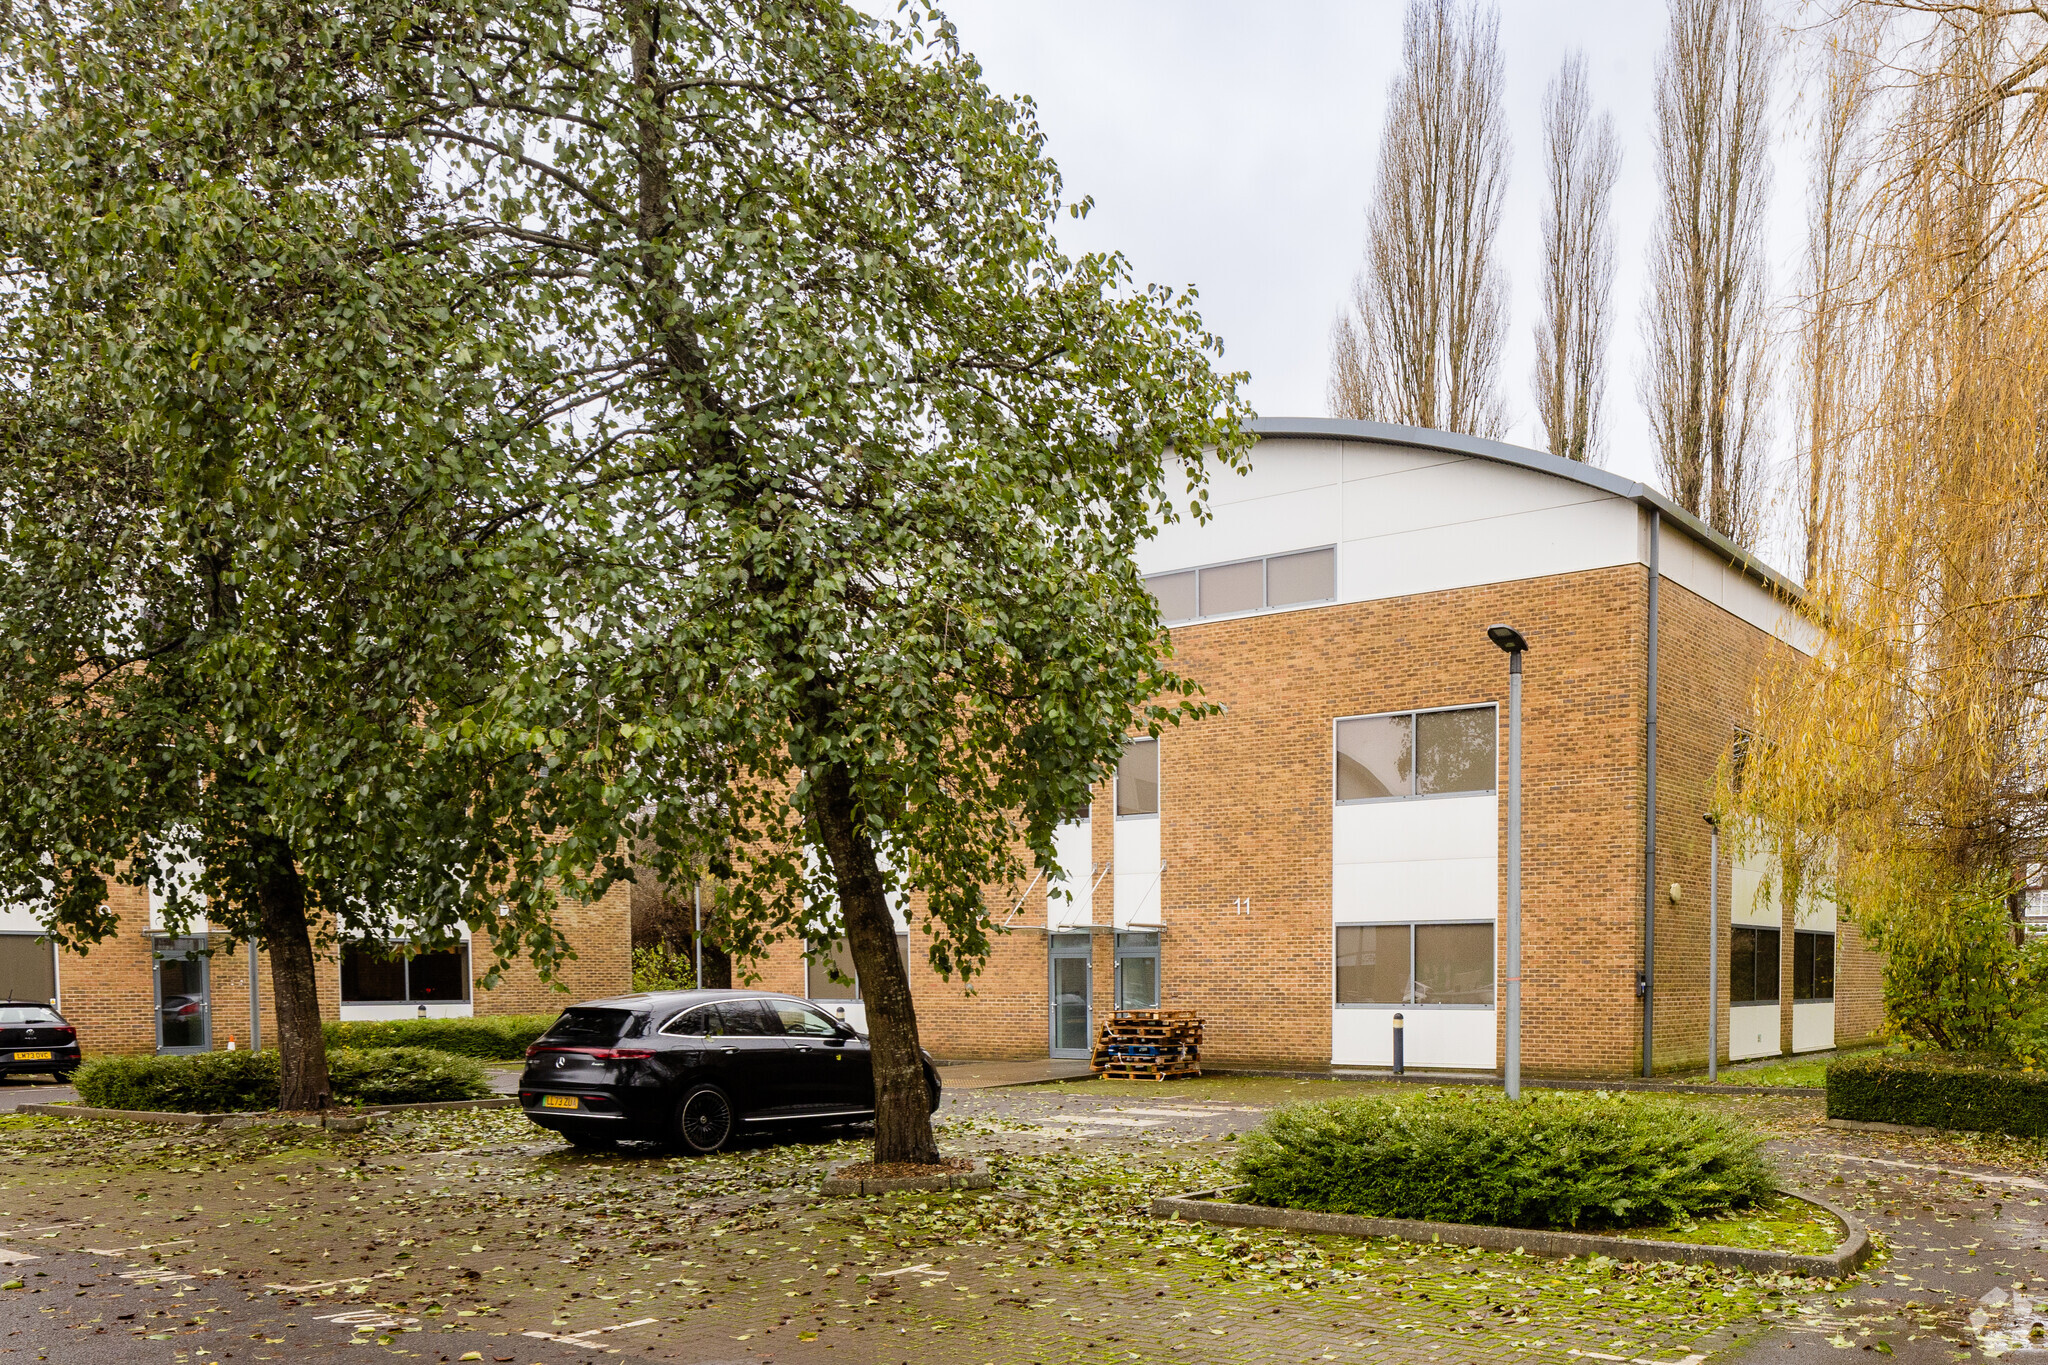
(1149, 1045)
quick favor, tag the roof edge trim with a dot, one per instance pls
(1537, 461)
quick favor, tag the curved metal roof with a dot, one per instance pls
(1576, 471)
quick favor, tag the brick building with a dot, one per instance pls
(1329, 850)
(144, 990)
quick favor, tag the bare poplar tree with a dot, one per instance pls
(1705, 381)
(1832, 288)
(1581, 161)
(1422, 341)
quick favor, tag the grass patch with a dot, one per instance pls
(1779, 1223)
(1807, 1071)
(1553, 1160)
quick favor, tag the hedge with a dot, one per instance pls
(1940, 1090)
(1550, 1160)
(493, 1038)
(229, 1082)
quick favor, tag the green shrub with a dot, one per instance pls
(658, 967)
(493, 1038)
(232, 1082)
(1940, 1090)
(1552, 1160)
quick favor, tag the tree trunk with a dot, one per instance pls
(294, 990)
(903, 1121)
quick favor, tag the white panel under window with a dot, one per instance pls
(1813, 1025)
(1449, 1040)
(1386, 893)
(1074, 843)
(1417, 831)
(1138, 873)
(1752, 891)
(1752, 1031)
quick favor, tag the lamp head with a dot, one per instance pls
(1507, 637)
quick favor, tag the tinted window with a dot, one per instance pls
(371, 974)
(747, 1019)
(701, 1022)
(1375, 757)
(1456, 751)
(1175, 593)
(1372, 964)
(588, 1028)
(1137, 778)
(27, 1014)
(801, 1021)
(1454, 964)
(1232, 588)
(1310, 577)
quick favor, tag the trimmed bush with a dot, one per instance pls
(1554, 1160)
(493, 1038)
(1940, 1090)
(234, 1082)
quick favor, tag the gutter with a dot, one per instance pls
(1647, 987)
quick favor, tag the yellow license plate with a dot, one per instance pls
(31, 1056)
(558, 1101)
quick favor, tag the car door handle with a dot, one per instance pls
(729, 1051)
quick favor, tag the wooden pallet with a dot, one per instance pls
(1148, 1045)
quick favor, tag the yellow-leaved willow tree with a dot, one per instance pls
(1903, 770)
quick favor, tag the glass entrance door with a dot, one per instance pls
(1071, 978)
(182, 1005)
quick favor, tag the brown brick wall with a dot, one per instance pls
(110, 991)
(1246, 813)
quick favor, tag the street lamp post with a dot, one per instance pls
(1510, 639)
(1713, 947)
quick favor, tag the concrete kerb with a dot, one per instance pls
(1210, 1206)
(1564, 1083)
(976, 1177)
(337, 1120)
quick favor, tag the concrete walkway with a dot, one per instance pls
(990, 1075)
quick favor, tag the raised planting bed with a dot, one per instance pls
(866, 1177)
(1851, 1250)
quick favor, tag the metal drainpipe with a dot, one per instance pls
(255, 1000)
(1650, 821)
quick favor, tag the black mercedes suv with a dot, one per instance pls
(34, 1037)
(691, 1068)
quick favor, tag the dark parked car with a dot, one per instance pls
(34, 1037)
(692, 1068)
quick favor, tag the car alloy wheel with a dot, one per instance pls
(704, 1119)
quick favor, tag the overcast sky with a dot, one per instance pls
(1232, 147)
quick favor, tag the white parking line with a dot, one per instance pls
(329, 1284)
(164, 1276)
(145, 1246)
(908, 1270)
(580, 1339)
(48, 1229)
(8, 1257)
(1174, 1113)
(365, 1319)
(1115, 1122)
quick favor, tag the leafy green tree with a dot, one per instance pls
(278, 595)
(892, 449)
(816, 467)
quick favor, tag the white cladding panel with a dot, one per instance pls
(1752, 891)
(1394, 861)
(441, 1009)
(20, 919)
(1752, 1031)
(1463, 1040)
(1138, 871)
(1813, 1025)
(1408, 521)
(1074, 843)
(1813, 911)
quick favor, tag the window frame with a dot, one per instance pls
(1415, 762)
(1834, 947)
(1411, 926)
(1116, 782)
(404, 960)
(1778, 965)
(1265, 585)
(1122, 951)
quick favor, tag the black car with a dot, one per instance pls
(691, 1068)
(34, 1037)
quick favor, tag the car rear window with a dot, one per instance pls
(589, 1028)
(27, 1014)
